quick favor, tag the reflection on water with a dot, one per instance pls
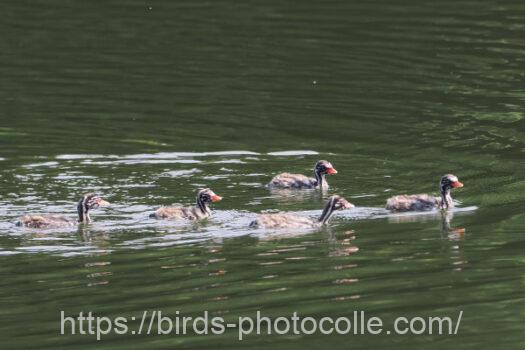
(344, 246)
(286, 196)
(452, 233)
(444, 216)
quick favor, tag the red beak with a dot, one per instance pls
(216, 198)
(457, 184)
(331, 171)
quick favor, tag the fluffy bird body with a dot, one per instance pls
(423, 202)
(299, 181)
(200, 211)
(87, 202)
(284, 220)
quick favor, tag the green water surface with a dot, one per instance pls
(147, 101)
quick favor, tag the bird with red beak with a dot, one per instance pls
(299, 181)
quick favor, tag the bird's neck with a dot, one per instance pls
(320, 180)
(446, 198)
(326, 214)
(202, 206)
(83, 213)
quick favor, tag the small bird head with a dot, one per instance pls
(324, 167)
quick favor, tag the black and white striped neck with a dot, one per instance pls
(83, 210)
(327, 211)
(446, 198)
(202, 205)
(320, 180)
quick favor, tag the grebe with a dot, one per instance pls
(281, 221)
(87, 202)
(299, 181)
(198, 212)
(421, 202)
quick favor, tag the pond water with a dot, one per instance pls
(145, 102)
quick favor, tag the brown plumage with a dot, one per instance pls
(299, 181)
(45, 221)
(414, 202)
(86, 203)
(422, 202)
(282, 221)
(198, 212)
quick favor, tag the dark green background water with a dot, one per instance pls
(131, 99)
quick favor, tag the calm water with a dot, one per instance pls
(145, 102)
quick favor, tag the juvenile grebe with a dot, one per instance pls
(199, 211)
(86, 203)
(293, 221)
(421, 202)
(299, 181)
